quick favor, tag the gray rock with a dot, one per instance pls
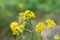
(49, 34)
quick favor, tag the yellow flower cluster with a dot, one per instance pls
(50, 23)
(27, 15)
(16, 28)
(56, 37)
(40, 27)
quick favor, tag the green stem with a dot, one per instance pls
(40, 37)
(32, 36)
(32, 31)
(28, 30)
(22, 36)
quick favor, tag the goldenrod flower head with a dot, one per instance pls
(30, 13)
(50, 23)
(14, 24)
(15, 28)
(40, 27)
(21, 5)
(56, 37)
(27, 15)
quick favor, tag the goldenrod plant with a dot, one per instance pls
(18, 27)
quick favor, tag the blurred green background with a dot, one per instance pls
(9, 10)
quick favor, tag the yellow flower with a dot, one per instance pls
(50, 23)
(15, 28)
(56, 37)
(40, 27)
(14, 24)
(30, 13)
(27, 15)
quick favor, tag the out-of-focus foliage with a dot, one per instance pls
(10, 6)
